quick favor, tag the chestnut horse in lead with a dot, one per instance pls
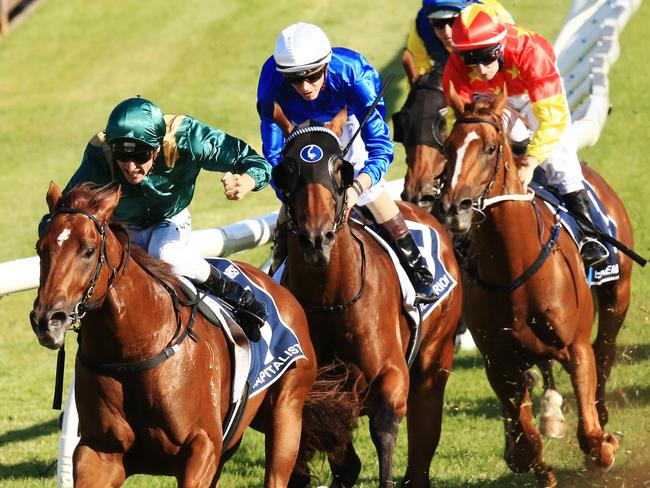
(167, 419)
(549, 313)
(350, 290)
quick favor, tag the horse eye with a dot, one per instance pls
(89, 253)
(491, 149)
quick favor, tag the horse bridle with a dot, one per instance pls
(482, 202)
(83, 306)
(339, 194)
(340, 197)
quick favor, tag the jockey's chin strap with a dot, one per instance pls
(483, 201)
(84, 305)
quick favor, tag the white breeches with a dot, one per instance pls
(170, 241)
(562, 167)
(357, 155)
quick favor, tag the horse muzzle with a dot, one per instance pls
(316, 247)
(50, 327)
(458, 215)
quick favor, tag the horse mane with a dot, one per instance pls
(90, 196)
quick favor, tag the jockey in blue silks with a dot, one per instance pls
(308, 79)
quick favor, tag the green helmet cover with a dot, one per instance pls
(136, 119)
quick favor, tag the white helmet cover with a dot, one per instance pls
(300, 48)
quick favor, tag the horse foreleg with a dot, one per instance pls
(600, 448)
(201, 464)
(97, 469)
(345, 468)
(424, 416)
(523, 449)
(392, 392)
(613, 303)
(283, 440)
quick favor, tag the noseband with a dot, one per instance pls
(83, 306)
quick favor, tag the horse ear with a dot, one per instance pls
(337, 123)
(409, 67)
(457, 104)
(108, 204)
(283, 122)
(499, 101)
(53, 196)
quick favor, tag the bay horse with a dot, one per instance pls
(526, 296)
(350, 291)
(158, 403)
(421, 127)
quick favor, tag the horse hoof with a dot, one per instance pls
(619, 436)
(602, 458)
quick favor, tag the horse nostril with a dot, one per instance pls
(304, 240)
(58, 315)
(465, 204)
(329, 236)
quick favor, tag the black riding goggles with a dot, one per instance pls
(484, 56)
(311, 78)
(128, 151)
(442, 23)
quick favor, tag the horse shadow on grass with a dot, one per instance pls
(29, 469)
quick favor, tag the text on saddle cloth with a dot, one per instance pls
(608, 271)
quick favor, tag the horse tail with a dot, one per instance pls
(330, 413)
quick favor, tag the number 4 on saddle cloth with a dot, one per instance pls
(603, 272)
(428, 242)
(257, 364)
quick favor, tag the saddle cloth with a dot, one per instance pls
(428, 242)
(605, 223)
(258, 364)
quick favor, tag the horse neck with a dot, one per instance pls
(136, 318)
(508, 238)
(335, 283)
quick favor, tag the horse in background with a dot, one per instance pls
(349, 288)
(524, 269)
(420, 126)
(153, 375)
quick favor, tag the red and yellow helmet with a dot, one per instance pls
(478, 26)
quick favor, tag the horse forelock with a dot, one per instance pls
(88, 196)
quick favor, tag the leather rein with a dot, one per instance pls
(83, 306)
(484, 202)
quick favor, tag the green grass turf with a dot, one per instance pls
(63, 70)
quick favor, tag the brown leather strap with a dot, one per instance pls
(396, 227)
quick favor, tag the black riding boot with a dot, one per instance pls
(410, 258)
(251, 313)
(592, 251)
(279, 250)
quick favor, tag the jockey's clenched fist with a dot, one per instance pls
(236, 186)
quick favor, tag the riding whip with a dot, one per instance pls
(388, 81)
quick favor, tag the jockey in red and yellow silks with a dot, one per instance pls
(430, 32)
(490, 55)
